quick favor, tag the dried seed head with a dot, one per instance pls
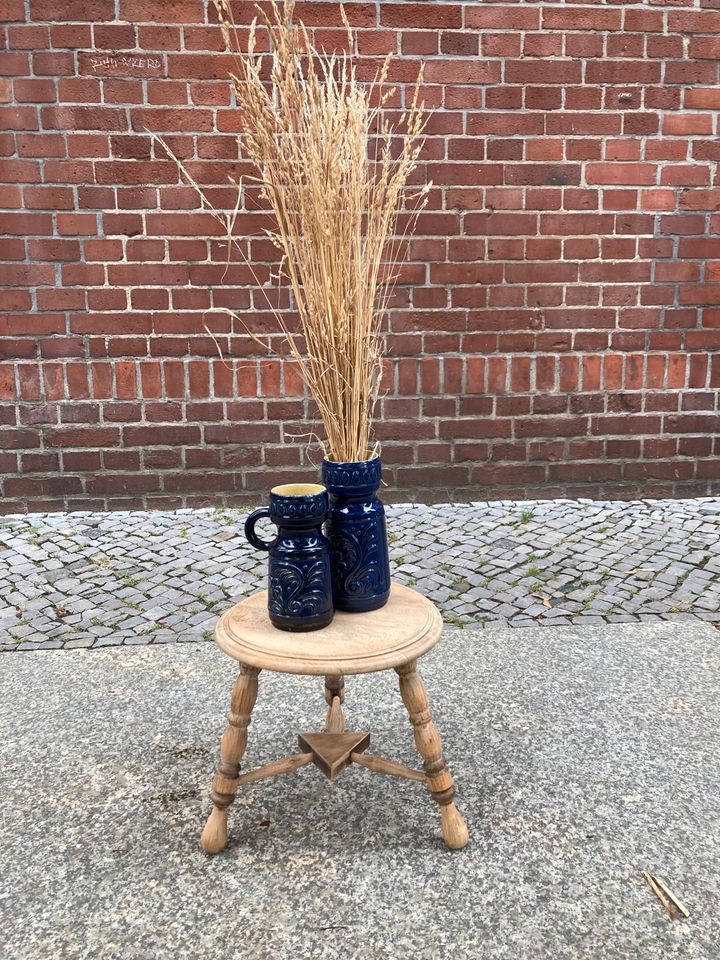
(335, 171)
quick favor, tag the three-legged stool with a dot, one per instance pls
(394, 637)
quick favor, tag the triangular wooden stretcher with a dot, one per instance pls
(331, 751)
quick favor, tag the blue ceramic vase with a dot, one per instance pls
(357, 534)
(299, 576)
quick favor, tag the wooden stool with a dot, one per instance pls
(395, 636)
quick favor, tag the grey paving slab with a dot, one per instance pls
(582, 756)
(147, 573)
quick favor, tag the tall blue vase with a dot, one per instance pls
(299, 576)
(357, 534)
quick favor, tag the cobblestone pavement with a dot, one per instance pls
(94, 580)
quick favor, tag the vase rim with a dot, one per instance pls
(298, 490)
(344, 463)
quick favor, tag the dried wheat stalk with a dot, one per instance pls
(336, 174)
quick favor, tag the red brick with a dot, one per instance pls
(174, 379)
(163, 11)
(499, 16)
(101, 379)
(694, 22)
(528, 71)
(90, 437)
(621, 173)
(622, 71)
(685, 72)
(7, 383)
(703, 98)
(430, 375)
(13, 10)
(420, 15)
(687, 124)
(29, 380)
(700, 199)
(125, 380)
(160, 37)
(77, 381)
(562, 18)
(114, 36)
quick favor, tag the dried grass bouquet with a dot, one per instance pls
(335, 173)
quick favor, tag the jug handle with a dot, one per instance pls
(250, 530)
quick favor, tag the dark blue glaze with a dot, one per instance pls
(299, 577)
(357, 534)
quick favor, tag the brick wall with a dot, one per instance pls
(559, 331)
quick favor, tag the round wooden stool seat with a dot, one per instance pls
(402, 631)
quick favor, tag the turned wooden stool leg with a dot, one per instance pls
(232, 749)
(427, 740)
(335, 696)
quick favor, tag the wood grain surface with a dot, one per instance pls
(402, 631)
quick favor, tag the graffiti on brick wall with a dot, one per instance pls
(103, 63)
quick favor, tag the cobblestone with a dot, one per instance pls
(89, 579)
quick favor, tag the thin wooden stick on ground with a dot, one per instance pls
(652, 883)
(668, 892)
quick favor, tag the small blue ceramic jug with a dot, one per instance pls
(299, 577)
(356, 529)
